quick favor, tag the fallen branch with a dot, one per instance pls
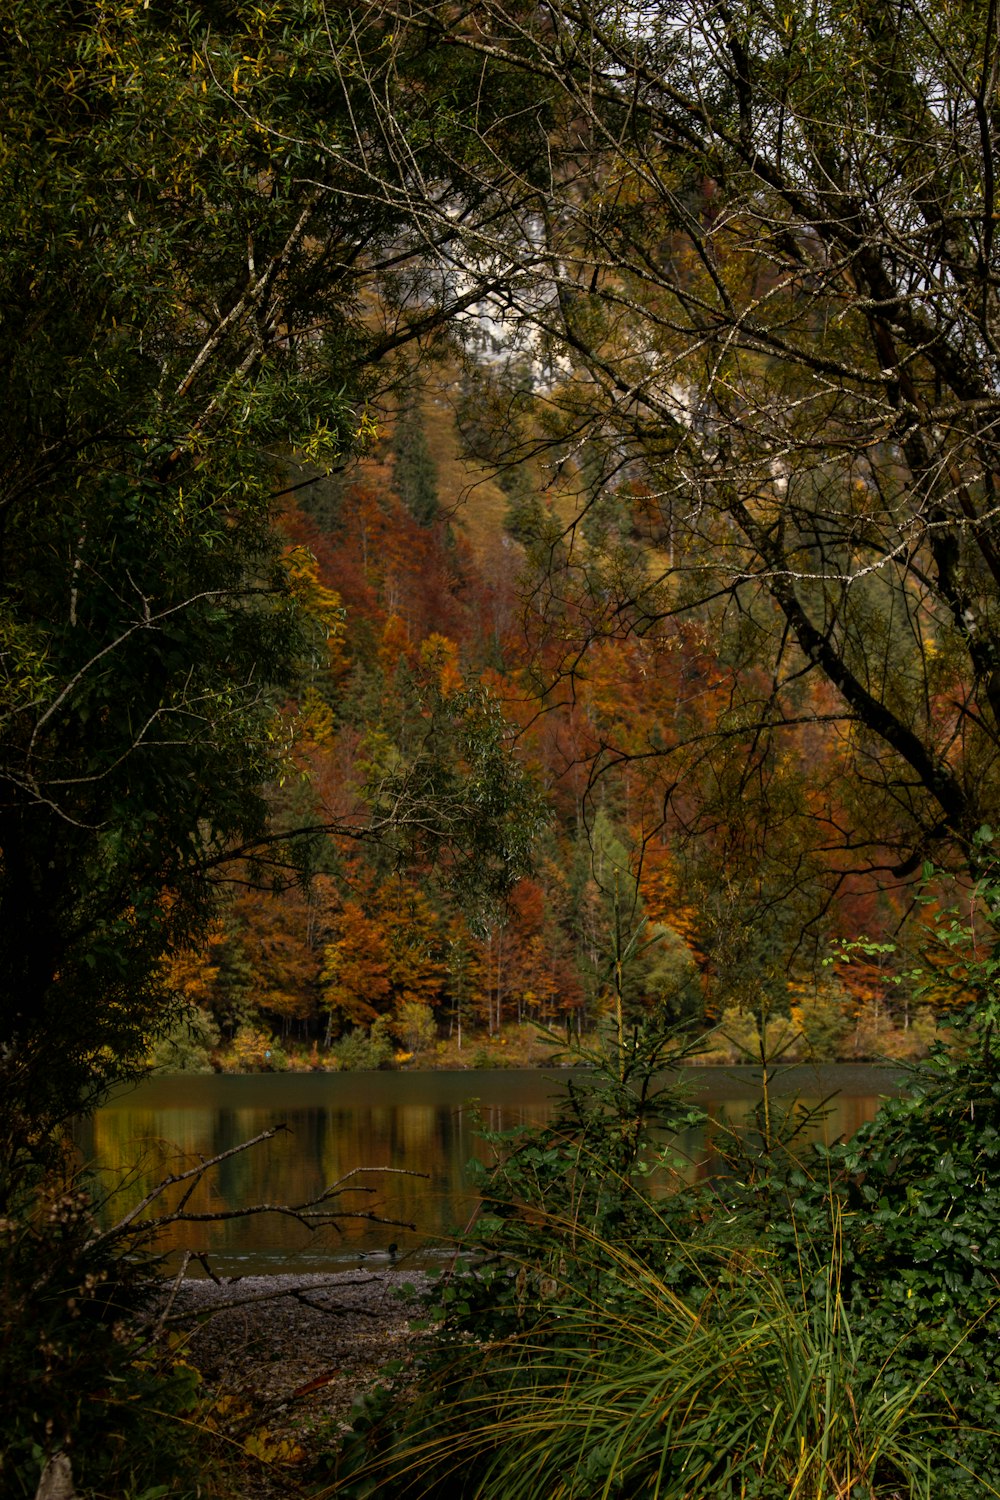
(174, 1177)
(314, 1213)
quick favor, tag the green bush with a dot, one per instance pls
(359, 1050)
(815, 1322)
(414, 1026)
(188, 1045)
(916, 1195)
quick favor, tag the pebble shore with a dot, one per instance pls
(290, 1355)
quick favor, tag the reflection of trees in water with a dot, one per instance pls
(838, 1117)
(136, 1144)
(137, 1147)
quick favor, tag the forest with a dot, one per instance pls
(428, 579)
(498, 530)
(720, 563)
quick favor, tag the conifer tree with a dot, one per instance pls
(414, 472)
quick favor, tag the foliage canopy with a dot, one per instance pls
(749, 298)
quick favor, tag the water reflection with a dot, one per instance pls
(425, 1127)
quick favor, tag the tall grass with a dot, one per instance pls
(739, 1389)
(817, 1324)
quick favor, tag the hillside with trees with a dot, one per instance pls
(499, 527)
(436, 582)
(719, 373)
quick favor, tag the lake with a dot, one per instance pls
(414, 1123)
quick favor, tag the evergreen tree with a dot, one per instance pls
(414, 471)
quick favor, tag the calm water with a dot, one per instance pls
(413, 1123)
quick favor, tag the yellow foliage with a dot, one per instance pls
(322, 604)
(225, 1411)
(251, 1050)
(273, 1450)
(191, 975)
(316, 717)
(663, 902)
(440, 654)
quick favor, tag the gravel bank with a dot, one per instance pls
(287, 1356)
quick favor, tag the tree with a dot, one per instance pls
(755, 268)
(357, 968)
(145, 609)
(184, 246)
(413, 470)
(446, 790)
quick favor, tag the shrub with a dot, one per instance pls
(414, 1026)
(254, 1051)
(359, 1050)
(734, 1039)
(823, 1015)
(817, 1322)
(188, 1045)
(302, 1061)
(630, 1389)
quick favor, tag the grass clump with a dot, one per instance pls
(815, 1322)
(734, 1390)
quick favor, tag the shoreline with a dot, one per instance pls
(740, 1070)
(285, 1358)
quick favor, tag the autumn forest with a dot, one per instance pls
(499, 514)
(433, 576)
